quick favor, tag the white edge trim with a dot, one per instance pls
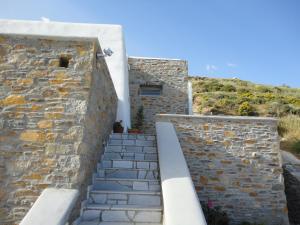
(180, 200)
(52, 207)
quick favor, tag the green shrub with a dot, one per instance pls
(228, 88)
(245, 97)
(258, 100)
(295, 111)
(139, 119)
(242, 82)
(296, 146)
(277, 89)
(293, 100)
(263, 89)
(278, 110)
(216, 110)
(241, 90)
(212, 86)
(245, 109)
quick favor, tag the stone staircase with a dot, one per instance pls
(126, 188)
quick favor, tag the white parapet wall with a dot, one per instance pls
(109, 36)
(53, 207)
(181, 203)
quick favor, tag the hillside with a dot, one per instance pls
(213, 96)
(238, 97)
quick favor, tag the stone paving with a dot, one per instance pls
(126, 188)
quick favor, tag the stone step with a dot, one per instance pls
(142, 198)
(133, 137)
(129, 156)
(128, 173)
(131, 149)
(126, 184)
(122, 213)
(126, 188)
(133, 142)
(129, 164)
(114, 223)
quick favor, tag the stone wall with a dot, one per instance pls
(235, 162)
(53, 120)
(171, 74)
(292, 191)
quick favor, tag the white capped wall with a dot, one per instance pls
(109, 36)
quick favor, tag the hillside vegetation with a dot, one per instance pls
(243, 98)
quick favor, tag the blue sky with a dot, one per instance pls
(256, 40)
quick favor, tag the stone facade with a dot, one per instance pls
(291, 174)
(53, 120)
(171, 75)
(236, 163)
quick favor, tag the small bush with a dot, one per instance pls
(268, 96)
(246, 109)
(242, 90)
(263, 89)
(228, 88)
(245, 97)
(212, 86)
(139, 119)
(278, 110)
(296, 146)
(278, 89)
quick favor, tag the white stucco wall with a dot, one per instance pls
(53, 207)
(109, 36)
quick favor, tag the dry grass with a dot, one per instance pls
(289, 130)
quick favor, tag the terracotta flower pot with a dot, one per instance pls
(134, 131)
(119, 130)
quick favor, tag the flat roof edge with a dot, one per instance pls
(155, 58)
(56, 29)
(12, 21)
(52, 37)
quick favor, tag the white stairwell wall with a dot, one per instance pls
(53, 207)
(181, 203)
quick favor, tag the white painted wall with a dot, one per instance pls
(180, 200)
(109, 36)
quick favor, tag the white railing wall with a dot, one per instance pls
(180, 200)
(52, 207)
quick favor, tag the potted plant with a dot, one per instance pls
(139, 122)
(134, 131)
(117, 127)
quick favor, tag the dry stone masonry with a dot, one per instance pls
(52, 118)
(235, 162)
(171, 75)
